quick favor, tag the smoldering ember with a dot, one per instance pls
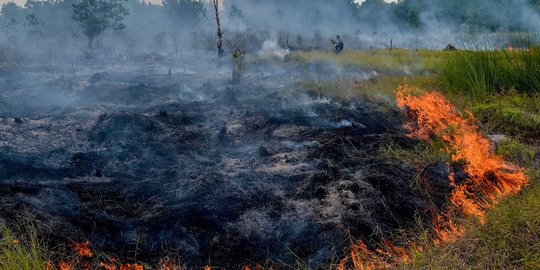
(242, 134)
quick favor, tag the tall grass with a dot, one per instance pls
(21, 251)
(481, 73)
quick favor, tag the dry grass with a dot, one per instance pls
(399, 62)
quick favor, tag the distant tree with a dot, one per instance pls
(49, 16)
(407, 13)
(536, 5)
(33, 25)
(189, 12)
(12, 13)
(96, 16)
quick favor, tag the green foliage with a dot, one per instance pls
(95, 16)
(21, 251)
(46, 16)
(482, 73)
(510, 120)
(514, 150)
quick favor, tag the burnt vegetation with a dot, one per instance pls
(255, 177)
(235, 133)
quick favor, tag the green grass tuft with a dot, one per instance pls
(483, 73)
(510, 120)
(514, 150)
(24, 252)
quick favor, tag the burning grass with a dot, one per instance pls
(24, 250)
(490, 177)
(509, 239)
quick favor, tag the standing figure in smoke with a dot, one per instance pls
(338, 44)
(238, 58)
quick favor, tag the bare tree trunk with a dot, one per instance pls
(219, 32)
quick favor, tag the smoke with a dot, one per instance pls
(272, 49)
(177, 25)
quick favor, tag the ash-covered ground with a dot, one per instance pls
(141, 163)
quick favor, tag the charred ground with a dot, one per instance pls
(216, 172)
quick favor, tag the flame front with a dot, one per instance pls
(82, 249)
(131, 267)
(489, 176)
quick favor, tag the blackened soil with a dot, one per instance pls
(224, 173)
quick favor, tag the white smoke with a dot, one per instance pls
(270, 48)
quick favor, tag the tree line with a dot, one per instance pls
(93, 17)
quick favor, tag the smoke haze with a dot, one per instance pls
(371, 24)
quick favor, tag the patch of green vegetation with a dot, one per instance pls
(21, 251)
(483, 73)
(514, 150)
(510, 113)
(510, 120)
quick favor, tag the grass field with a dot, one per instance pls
(399, 61)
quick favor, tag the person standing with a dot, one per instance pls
(338, 44)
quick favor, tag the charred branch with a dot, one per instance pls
(219, 41)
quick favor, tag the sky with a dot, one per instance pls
(21, 2)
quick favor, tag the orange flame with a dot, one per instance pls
(207, 267)
(131, 267)
(82, 249)
(50, 265)
(446, 231)
(362, 258)
(108, 265)
(489, 176)
(510, 48)
(66, 266)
